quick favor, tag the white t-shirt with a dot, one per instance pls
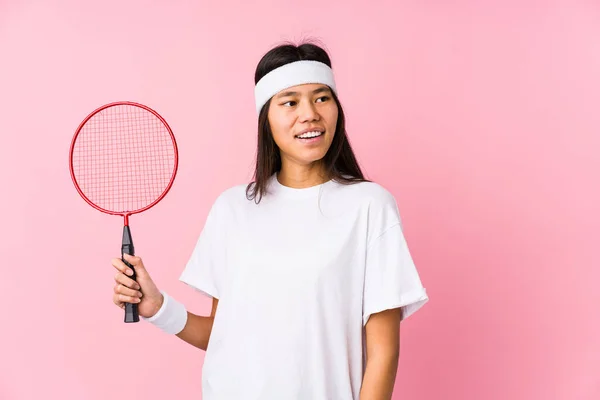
(297, 277)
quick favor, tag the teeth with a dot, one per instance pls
(309, 135)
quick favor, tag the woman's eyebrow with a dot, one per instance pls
(292, 93)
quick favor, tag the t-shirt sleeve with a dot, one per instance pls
(391, 277)
(204, 270)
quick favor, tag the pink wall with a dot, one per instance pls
(482, 119)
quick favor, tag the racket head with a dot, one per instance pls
(123, 158)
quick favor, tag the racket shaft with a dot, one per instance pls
(131, 309)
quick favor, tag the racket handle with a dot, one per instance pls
(131, 309)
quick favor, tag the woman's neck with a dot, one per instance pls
(302, 176)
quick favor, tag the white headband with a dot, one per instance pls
(292, 74)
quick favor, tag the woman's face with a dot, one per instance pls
(303, 120)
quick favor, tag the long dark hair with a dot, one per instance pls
(339, 162)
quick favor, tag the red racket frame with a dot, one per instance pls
(125, 214)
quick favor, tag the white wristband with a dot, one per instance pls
(171, 317)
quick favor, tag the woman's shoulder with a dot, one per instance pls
(367, 191)
(232, 195)
(371, 199)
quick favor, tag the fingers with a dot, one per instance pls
(134, 260)
(120, 289)
(121, 266)
(125, 281)
(126, 289)
(137, 263)
(121, 299)
(118, 302)
(125, 295)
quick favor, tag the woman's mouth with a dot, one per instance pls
(309, 137)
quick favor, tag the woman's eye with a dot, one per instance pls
(293, 103)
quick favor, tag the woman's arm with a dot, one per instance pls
(198, 328)
(383, 349)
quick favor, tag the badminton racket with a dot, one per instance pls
(123, 160)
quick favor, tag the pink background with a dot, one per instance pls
(482, 119)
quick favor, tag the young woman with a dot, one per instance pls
(307, 266)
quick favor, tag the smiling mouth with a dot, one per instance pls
(310, 135)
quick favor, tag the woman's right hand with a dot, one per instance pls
(143, 292)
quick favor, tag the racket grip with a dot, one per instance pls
(131, 309)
